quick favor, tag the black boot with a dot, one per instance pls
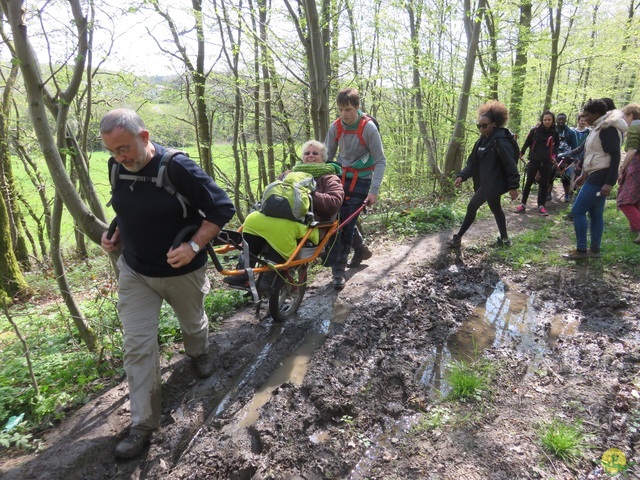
(340, 266)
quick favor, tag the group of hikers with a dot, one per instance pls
(586, 159)
(345, 173)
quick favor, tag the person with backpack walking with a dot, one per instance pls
(150, 269)
(354, 141)
(277, 236)
(542, 142)
(493, 167)
(599, 175)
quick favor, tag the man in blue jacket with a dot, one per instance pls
(150, 269)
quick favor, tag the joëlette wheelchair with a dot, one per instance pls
(289, 284)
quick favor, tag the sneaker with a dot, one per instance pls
(500, 243)
(359, 255)
(455, 242)
(202, 365)
(566, 199)
(338, 282)
(237, 281)
(576, 255)
(542, 211)
(521, 208)
(134, 444)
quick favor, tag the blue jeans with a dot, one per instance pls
(588, 202)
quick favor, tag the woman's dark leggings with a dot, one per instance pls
(544, 168)
(475, 203)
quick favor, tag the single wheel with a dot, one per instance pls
(287, 293)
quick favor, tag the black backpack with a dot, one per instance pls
(509, 135)
(161, 179)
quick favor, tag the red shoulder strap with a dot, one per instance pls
(360, 130)
(340, 129)
(363, 121)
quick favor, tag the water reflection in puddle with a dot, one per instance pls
(506, 319)
(292, 369)
(509, 319)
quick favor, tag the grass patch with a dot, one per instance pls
(563, 440)
(547, 238)
(468, 380)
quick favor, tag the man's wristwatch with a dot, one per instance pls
(194, 246)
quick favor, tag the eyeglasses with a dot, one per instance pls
(120, 150)
(482, 126)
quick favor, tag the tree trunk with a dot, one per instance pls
(625, 80)
(11, 281)
(34, 85)
(473, 22)
(316, 40)
(262, 167)
(232, 30)
(520, 67)
(87, 334)
(52, 147)
(556, 51)
(415, 21)
(266, 89)
(491, 69)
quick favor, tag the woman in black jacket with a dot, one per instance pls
(542, 142)
(494, 170)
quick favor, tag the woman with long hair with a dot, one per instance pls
(542, 142)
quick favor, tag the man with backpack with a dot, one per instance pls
(150, 270)
(354, 141)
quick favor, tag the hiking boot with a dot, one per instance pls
(134, 444)
(265, 281)
(542, 211)
(521, 208)
(237, 281)
(202, 365)
(338, 281)
(594, 254)
(360, 254)
(455, 242)
(501, 243)
(576, 255)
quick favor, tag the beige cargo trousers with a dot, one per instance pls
(139, 301)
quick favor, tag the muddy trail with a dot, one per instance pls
(354, 387)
